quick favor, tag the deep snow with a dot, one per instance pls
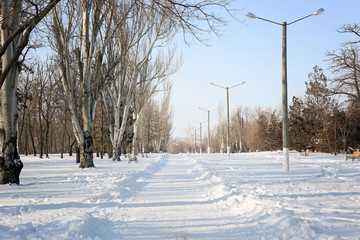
(185, 196)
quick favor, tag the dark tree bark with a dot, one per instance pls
(86, 152)
(71, 145)
(77, 147)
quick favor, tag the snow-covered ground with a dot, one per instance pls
(185, 196)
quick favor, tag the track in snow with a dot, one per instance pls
(174, 204)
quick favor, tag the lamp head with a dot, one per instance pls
(250, 15)
(319, 11)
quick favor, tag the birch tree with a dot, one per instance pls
(18, 19)
(119, 53)
(192, 18)
(83, 30)
(152, 77)
(146, 30)
(221, 128)
(156, 123)
(238, 125)
(165, 124)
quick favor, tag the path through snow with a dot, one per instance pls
(175, 204)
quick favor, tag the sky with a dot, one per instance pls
(250, 50)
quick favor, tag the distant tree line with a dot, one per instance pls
(326, 118)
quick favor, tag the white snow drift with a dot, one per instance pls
(185, 196)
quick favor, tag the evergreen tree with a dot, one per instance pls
(301, 128)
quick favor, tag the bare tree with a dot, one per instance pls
(221, 129)
(50, 102)
(18, 19)
(145, 31)
(88, 42)
(25, 98)
(351, 28)
(345, 126)
(152, 77)
(237, 126)
(156, 124)
(345, 65)
(164, 124)
(194, 18)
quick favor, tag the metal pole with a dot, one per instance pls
(228, 118)
(228, 122)
(241, 125)
(208, 131)
(200, 139)
(195, 142)
(208, 111)
(285, 123)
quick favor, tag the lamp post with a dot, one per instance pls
(240, 131)
(195, 142)
(200, 136)
(209, 151)
(285, 122)
(227, 113)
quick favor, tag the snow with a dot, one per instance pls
(185, 196)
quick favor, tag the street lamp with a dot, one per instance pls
(285, 123)
(200, 134)
(195, 142)
(209, 151)
(227, 113)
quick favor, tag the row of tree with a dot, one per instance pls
(326, 118)
(109, 50)
(45, 125)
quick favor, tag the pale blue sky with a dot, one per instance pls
(251, 52)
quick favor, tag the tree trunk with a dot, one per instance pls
(77, 148)
(63, 141)
(41, 136)
(116, 150)
(86, 152)
(10, 163)
(136, 135)
(46, 145)
(26, 144)
(102, 134)
(41, 143)
(31, 134)
(110, 154)
(71, 147)
(119, 133)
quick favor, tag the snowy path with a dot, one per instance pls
(174, 204)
